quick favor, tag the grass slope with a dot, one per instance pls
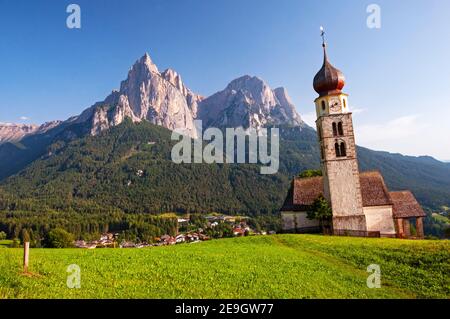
(282, 266)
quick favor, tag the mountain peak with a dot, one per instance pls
(248, 101)
(10, 132)
(170, 72)
(146, 63)
(146, 94)
(173, 77)
(246, 82)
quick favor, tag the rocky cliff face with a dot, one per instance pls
(146, 94)
(248, 102)
(15, 132)
(163, 99)
(192, 98)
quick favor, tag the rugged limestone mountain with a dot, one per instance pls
(15, 132)
(146, 94)
(248, 102)
(192, 98)
(160, 98)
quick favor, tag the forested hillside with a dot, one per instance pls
(129, 167)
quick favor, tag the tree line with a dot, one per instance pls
(38, 227)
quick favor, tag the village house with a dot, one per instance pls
(180, 239)
(182, 221)
(127, 244)
(168, 240)
(106, 240)
(237, 231)
(361, 203)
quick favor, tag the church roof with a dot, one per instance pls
(373, 189)
(304, 191)
(406, 205)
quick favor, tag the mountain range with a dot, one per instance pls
(116, 153)
(10, 132)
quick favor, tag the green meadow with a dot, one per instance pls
(281, 266)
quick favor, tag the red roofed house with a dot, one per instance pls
(361, 202)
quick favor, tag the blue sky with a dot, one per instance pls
(398, 77)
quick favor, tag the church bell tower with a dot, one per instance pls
(338, 149)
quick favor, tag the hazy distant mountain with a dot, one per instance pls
(249, 102)
(15, 132)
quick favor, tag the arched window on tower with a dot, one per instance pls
(337, 149)
(345, 103)
(343, 150)
(335, 132)
(323, 106)
(340, 129)
(340, 148)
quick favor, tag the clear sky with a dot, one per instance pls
(398, 76)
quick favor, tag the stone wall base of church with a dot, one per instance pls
(350, 223)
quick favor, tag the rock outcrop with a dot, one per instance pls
(146, 94)
(15, 132)
(248, 102)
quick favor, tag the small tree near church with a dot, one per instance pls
(321, 211)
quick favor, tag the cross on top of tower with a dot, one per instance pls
(322, 34)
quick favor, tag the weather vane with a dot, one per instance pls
(322, 34)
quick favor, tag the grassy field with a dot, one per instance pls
(282, 266)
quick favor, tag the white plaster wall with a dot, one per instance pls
(380, 218)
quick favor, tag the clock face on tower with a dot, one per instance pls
(335, 105)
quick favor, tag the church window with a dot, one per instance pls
(340, 149)
(337, 149)
(323, 106)
(340, 129)
(335, 132)
(345, 103)
(343, 150)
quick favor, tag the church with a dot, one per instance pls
(361, 203)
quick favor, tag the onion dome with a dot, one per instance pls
(328, 80)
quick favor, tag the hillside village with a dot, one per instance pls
(189, 232)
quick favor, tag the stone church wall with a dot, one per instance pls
(297, 222)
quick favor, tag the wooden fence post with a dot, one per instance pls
(26, 254)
